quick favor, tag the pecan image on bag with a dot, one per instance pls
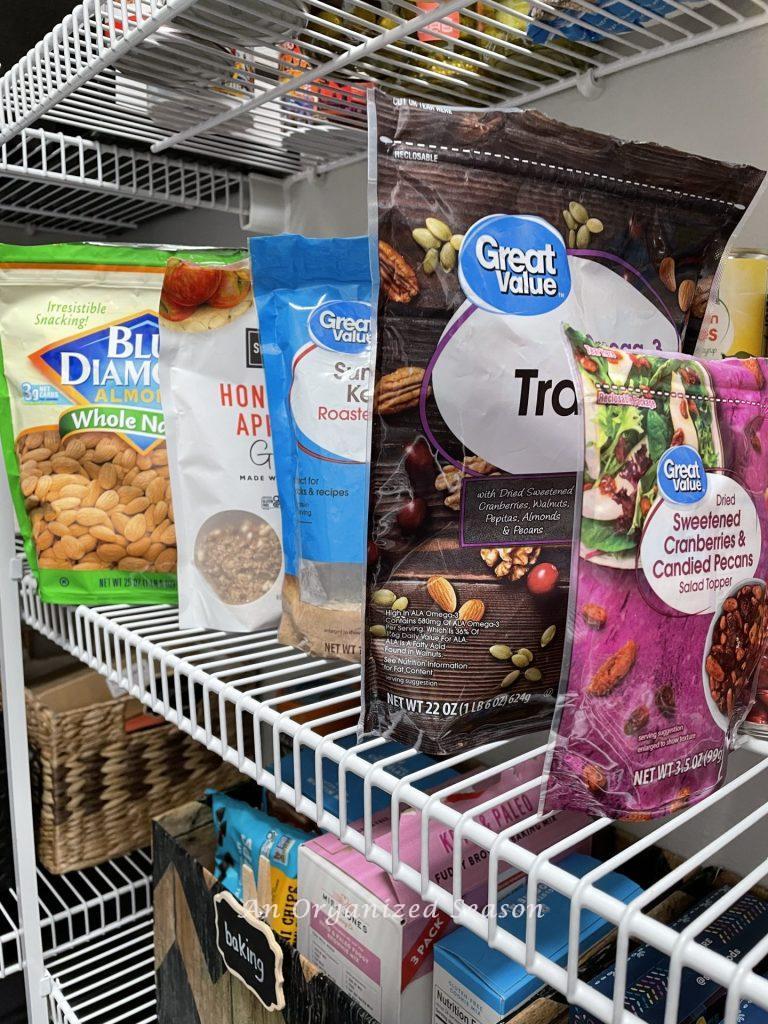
(490, 229)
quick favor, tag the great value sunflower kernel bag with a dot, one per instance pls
(313, 296)
(668, 584)
(81, 423)
(221, 444)
(491, 229)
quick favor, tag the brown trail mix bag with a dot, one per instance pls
(492, 229)
(668, 602)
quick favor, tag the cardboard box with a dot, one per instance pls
(193, 983)
(476, 985)
(737, 930)
(371, 933)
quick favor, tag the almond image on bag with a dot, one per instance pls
(220, 442)
(81, 421)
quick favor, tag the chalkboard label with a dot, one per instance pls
(250, 951)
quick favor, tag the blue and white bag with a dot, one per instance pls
(313, 299)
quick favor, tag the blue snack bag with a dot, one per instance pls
(313, 299)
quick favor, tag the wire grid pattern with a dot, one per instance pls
(216, 77)
(246, 697)
(110, 981)
(79, 906)
(56, 182)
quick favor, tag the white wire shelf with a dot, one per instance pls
(111, 981)
(55, 182)
(78, 907)
(280, 84)
(247, 698)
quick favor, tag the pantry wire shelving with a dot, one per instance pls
(78, 907)
(56, 182)
(280, 85)
(110, 981)
(248, 699)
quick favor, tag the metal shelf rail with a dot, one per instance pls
(111, 981)
(280, 84)
(55, 182)
(247, 698)
(78, 907)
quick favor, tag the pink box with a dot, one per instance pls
(372, 934)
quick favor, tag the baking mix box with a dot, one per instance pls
(365, 929)
(733, 934)
(473, 984)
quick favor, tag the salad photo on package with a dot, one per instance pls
(624, 442)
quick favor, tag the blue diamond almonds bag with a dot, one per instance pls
(491, 230)
(81, 422)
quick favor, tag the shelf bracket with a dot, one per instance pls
(589, 85)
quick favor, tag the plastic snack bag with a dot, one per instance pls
(81, 421)
(220, 443)
(313, 297)
(492, 229)
(668, 603)
(258, 855)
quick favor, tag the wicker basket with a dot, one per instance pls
(98, 784)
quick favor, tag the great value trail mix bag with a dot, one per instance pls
(221, 445)
(81, 422)
(668, 606)
(493, 229)
(313, 296)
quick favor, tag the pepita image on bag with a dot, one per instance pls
(492, 229)
(313, 296)
(81, 422)
(221, 445)
(668, 591)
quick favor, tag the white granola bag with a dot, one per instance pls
(219, 437)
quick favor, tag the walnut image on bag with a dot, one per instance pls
(220, 442)
(81, 422)
(491, 230)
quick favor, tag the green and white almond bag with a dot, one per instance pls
(81, 420)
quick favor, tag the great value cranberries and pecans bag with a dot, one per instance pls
(491, 230)
(220, 442)
(82, 428)
(668, 606)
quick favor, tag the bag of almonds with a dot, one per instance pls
(492, 229)
(220, 441)
(81, 422)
